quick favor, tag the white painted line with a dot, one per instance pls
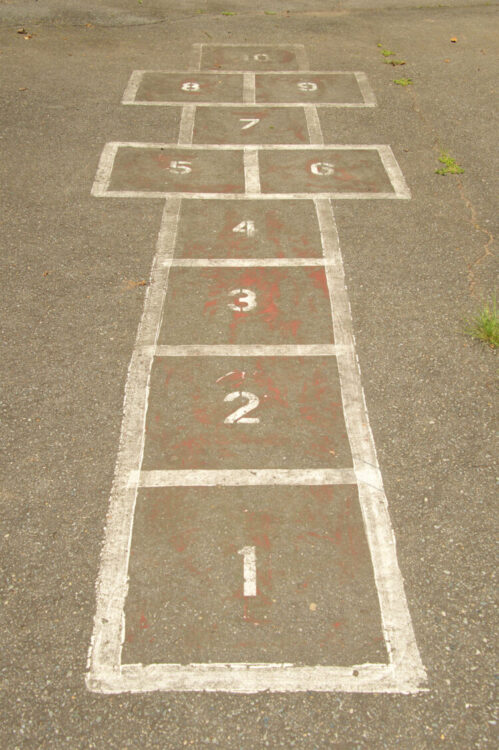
(239, 72)
(365, 89)
(397, 626)
(253, 196)
(100, 187)
(249, 350)
(245, 262)
(186, 129)
(313, 124)
(240, 477)
(259, 146)
(267, 105)
(249, 570)
(133, 84)
(251, 171)
(296, 47)
(394, 172)
(249, 88)
(105, 650)
(250, 678)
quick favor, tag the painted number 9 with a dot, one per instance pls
(322, 168)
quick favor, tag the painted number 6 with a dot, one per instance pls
(322, 168)
(238, 415)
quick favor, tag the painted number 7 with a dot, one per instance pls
(250, 122)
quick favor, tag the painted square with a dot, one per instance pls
(308, 88)
(256, 305)
(189, 88)
(245, 412)
(250, 125)
(248, 229)
(325, 170)
(314, 599)
(174, 169)
(249, 57)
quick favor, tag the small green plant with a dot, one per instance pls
(403, 81)
(450, 165)
(395, 62)
(228, 13)
(387, 53)
(484, 325)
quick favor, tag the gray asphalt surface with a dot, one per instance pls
(72, 299)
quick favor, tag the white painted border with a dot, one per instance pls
(100, 188)
(248, 97)
(240, 477)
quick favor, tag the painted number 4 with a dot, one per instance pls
(245, 227)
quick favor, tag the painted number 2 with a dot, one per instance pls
(239, 415)
(322, 168)
(246, 300)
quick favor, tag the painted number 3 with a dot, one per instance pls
(246, 300)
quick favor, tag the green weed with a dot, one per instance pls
(450, 165)
(484, 325)
(395, 62)
(403, 81)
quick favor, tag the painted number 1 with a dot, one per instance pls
(249, 570)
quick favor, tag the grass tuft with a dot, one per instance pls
(450, 165)
(484, 325)
(403, 81)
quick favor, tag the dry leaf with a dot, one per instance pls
(28, 36)
(24, 88)
(22, 31)
(313, 606)
(453, 39)
(131, 284)
(446, 59)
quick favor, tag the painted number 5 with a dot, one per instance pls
(238, 415)
(322, 168)
(180, 167)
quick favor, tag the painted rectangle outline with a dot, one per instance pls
(248, 98)
(100, 188)
(403, 674)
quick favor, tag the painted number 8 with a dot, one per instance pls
(322, 168)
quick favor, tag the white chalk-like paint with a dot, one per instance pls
(313, 125)
(322, 168)
(249, 92)
(249, 122)
(251, 170)
(249, 570)
(239, 415)
(246, 300)
(248, 350)
(245, 227)
(240, 477)
(365, 89)
(245, 262)
(186, 129)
